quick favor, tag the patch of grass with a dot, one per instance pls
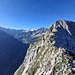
(59, 73)
(70, 73)
(39, 54)
(46, 51)
(35, 68)
(49, 62)
(58, 66)
(64, 61)
(43, 47)
(38, 48)
(47, 36)
(27, 71)
(56, 50)
(44, 39)
(50, 73)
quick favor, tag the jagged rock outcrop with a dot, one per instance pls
(54, 54)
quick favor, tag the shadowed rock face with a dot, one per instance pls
(12, 53)
(54, 54)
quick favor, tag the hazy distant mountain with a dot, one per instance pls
(12, 53)
(31, 35)
(54, 54)
(12, 32)
(26, 36)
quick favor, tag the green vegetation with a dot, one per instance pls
(39, 53)
(33, 45)
(70, 73)
(38, 48)
(46, 51)
(50, 74)
(44, 54)
(47, 36)
(59, 73)
(44, 39)
(49, 62)
(56, 50)
(58, 66)
(35, 68)
(64, 61)
(27, 71)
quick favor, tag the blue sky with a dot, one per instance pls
(34, 14)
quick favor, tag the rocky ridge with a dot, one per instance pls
(54, 54)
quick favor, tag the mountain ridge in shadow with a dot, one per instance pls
(12, 53)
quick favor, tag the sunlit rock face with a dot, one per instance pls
(54, 54)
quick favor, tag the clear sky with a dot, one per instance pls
(34, 14)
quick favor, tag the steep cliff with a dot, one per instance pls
(54, 54)
(12, 53)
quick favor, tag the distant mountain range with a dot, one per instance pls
(12, 53)
(31, 36)
(12, 32)
(26, 36)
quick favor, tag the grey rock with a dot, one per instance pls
(54, 54)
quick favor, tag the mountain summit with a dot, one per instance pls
(54, 54)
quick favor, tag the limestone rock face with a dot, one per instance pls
(54, 54)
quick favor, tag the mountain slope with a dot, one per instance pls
(54, 54)
(31, 36)
(12, 53)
